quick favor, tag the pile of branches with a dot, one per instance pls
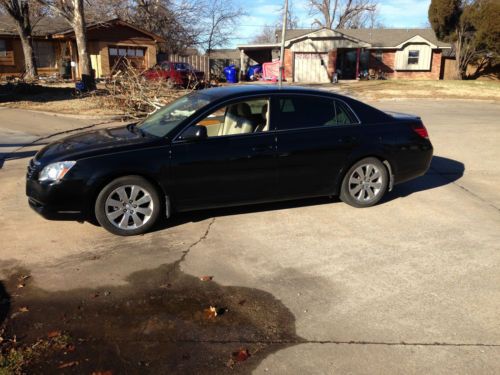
(137, 96)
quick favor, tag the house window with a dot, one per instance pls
(44, 54)
(413, 57)
(113, 52)
(378, 55)
(3, 48)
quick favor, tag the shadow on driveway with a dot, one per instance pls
(442, 171)
(157, 323)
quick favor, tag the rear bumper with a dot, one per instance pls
(416, 166)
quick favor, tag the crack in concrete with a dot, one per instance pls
(185, 253)
(444, 175)
(333, 342)
(201, 239)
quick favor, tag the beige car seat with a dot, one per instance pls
(238, 120)
(264, 125)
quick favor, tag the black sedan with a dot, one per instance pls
(228, 146)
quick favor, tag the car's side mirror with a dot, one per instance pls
(195, 133)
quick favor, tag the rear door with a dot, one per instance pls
(315, 136)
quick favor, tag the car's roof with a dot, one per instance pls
(235, 90)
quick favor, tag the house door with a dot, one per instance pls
(311, 67)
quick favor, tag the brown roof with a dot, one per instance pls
(49, 26)
(41, 27)
(384, 38)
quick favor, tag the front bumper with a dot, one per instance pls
(62, 200)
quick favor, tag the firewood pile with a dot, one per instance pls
(137, 96)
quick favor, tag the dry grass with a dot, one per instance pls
(479, 90)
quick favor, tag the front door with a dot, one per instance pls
(315, 136)
(235, 164)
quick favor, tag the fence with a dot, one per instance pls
(200, 62)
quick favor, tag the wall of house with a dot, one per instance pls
(13, 63)
(424, 60)
(388, 64)
(322, 45)
(288, 64)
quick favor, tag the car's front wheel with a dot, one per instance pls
(128, 206)
(365, 183)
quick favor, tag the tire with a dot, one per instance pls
(365, 183)
(128, 206)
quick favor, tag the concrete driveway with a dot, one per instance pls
(311, 287)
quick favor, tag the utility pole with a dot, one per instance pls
(282, 53)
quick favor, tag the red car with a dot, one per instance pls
(175, 73)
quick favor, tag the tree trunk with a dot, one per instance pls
(24, 32)
(81, 39)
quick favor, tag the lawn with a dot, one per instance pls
(390, 89)
(60, 98)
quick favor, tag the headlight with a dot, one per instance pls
(55, 171)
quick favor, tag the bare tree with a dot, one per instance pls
(19, 10)
(73, 12)
(292, 21)
(220, 18)
(267, 35)
(340, 14)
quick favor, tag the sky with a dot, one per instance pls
(393, 14)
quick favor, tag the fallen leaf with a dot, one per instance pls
(210, 313)
(53, 334)
(23, 309)
(23, 277)
(69, 364)
(241, 355)
(70, 348)
(206, 278)
(19, 286)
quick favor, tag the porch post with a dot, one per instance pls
(358, 53)
(242, 62)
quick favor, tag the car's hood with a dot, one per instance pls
(92, 143)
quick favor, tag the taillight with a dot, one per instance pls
(421, 131)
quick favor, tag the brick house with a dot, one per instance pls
(314, 55)
(56, 53)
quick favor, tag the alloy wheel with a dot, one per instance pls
(365, 183)
(129, 207)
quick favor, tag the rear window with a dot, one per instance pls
(312, 111)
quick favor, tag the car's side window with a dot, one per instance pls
(312, 111)
(249, 116)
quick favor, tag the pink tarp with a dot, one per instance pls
(270, 71)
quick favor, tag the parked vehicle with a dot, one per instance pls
(228, 146)
(175, 74)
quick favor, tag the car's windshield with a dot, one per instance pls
(166, 119)
(182, 66)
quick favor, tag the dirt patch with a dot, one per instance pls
(57, 98)
(161, 322)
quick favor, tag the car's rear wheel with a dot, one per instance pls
(365, 183)
(128, 206)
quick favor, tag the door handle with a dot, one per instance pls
(347, 139)
(262, 148)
